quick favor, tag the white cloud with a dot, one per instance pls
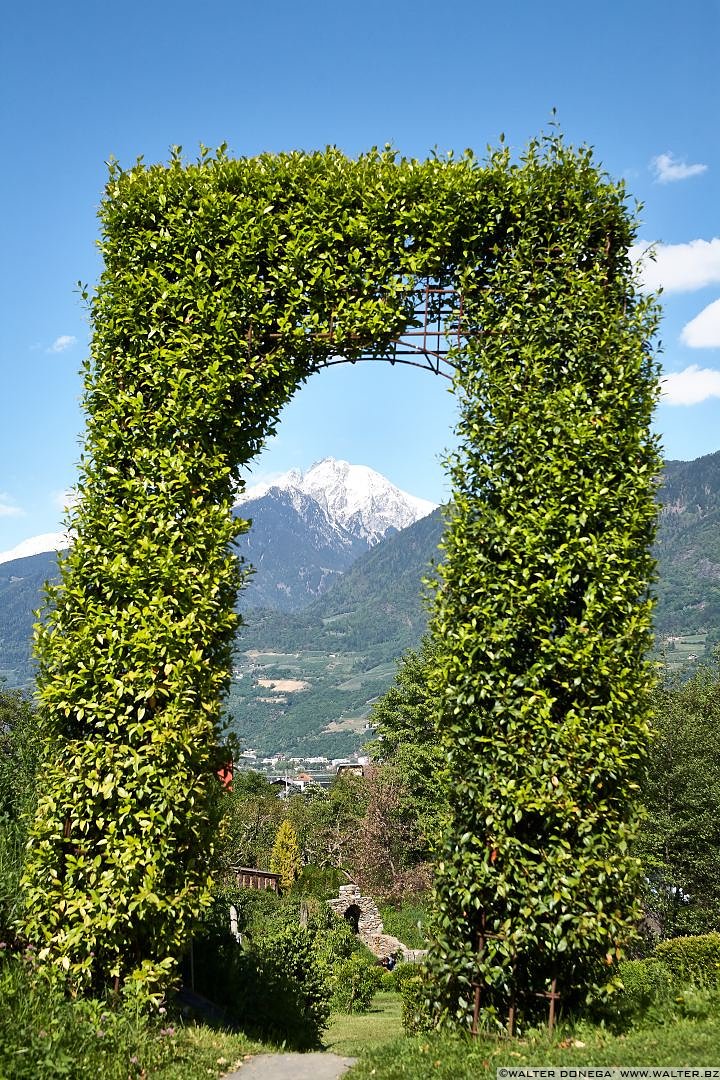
(36, 544)
(65, 500)
(8, 507)
(668, 169)
(60, 344)
(678, 267)
(691, 386)
(703, 332)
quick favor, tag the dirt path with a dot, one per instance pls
(293, 1067)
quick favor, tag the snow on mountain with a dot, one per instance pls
(354, 501)
(295, 548)
(36, 545)
(354, 497)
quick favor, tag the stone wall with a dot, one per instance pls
(362, 913)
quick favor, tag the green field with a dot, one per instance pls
(679, 652)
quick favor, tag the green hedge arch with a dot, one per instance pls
(226, 283)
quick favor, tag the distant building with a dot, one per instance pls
(349, 768)
(286, 786)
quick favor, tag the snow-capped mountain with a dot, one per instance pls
(308, 529)
(37, 545)
(296, 551)
(355, 498)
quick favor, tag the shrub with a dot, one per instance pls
(351, 970)
(335, 945)
(692, 960)
(647, 989)
(395, 979)
(286, 982)
(273, 982)
(256, 908)
(404, 972)
(307, 911)
(354, 983)
(216, 954)
(45, 1035)
(679, 981)
(415, 1010)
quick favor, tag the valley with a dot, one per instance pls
(337, 598)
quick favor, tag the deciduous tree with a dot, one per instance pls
(679, 843)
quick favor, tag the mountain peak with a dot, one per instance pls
(354, 497)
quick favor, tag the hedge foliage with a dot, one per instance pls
(647, 988)
(225, 284)
(694, 960)
(543, 615)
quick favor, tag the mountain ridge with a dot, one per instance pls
(304, 678)
(355, 498)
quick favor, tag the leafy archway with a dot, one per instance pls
(226, 283)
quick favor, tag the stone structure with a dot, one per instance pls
(361, 912)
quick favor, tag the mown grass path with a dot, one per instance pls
(679, 1044)
(355, 1034)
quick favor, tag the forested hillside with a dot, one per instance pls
(21, 583)
(688, 587)
(304, 679)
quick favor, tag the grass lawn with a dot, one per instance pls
(352, 1035)
(202, 1051)
(675, 1045)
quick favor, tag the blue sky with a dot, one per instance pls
(84, 81)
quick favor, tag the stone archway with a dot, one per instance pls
(363, 916)
(361, 912)
(352, 916)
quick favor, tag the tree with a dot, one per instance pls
(19, 755)
(679, 843)
(252, 814)
(285, 857)
(329, 822)
(408, 745)
(388, 857)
